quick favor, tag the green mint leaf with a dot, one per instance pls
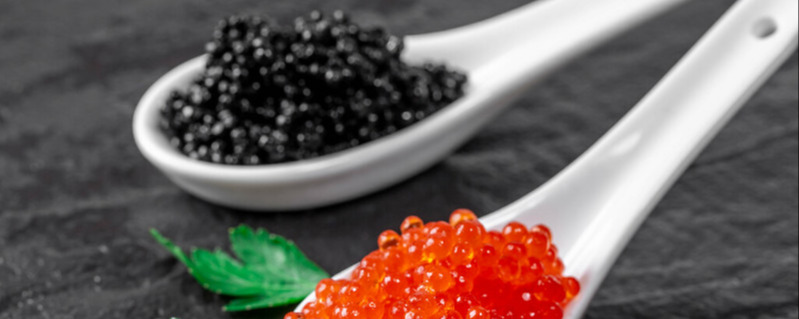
(174, 249)
(274, 255)
(216, 271)
(272, 271)
(221, 274)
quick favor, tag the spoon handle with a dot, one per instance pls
(597, 203)
(633, 166)
(550, 30)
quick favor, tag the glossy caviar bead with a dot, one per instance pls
(554, 267)
(515, 232)
(274, 93)
(549, 288)
(412, 234)
(414, 252)
(571, 286)
(550, 261)
(488, 256)
(460, 215)
(470, 270)
(373, 260)
(440, 240)
(463, 281)
(494, 238)
(312, 310)
(394, 285)
(461, 254)
(478, 312)
(443, 229)
(543, 230)
(352, 291)
(388, 239)
(434, 277)
(326, 290)
(508, 268)
(367, 276)
(411, 222)
(537, 244)
(437, 271)
(531, 271)
(514, 250)
(470, 233)
(423, 301)
(393, 259)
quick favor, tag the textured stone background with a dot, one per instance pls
(76, 197)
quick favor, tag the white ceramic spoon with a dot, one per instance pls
(597, 203)
(502, 56)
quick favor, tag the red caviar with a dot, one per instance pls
(454, 270)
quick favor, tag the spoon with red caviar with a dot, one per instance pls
(595, 205)
(451, 270)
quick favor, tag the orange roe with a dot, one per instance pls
(454, 270)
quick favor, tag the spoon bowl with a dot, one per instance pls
(502, 56)
(597, 203)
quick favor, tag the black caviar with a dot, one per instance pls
(272, 93)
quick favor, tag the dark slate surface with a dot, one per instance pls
(76, 197)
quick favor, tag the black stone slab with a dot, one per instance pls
(77, 198)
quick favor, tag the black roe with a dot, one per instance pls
(273, 94)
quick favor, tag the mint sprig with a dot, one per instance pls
(270, 271)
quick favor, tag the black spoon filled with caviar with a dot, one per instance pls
(285, 117)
